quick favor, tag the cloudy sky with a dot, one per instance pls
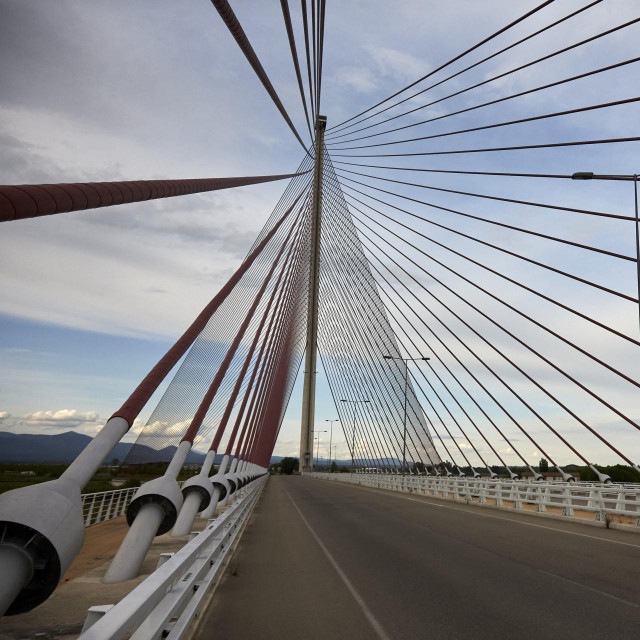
(111, 90)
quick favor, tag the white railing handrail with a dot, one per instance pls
(101, 506)
(602, 500)
(174, 589)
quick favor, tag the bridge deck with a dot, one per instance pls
(380, 565)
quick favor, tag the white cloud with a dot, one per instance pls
(57, 420)
(61, 417)
(399, 65)
(358, 78)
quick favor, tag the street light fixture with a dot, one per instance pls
(589, 175)
(355, 406)
(406, 385)
(331, 437)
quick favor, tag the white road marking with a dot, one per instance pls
(527, 524)
(373, 621)
(584, 586)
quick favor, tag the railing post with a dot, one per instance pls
(498, 490)
(108, 515)
(567, 502)
(87, 522)
(100, 508)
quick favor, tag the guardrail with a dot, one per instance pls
(105, 505)
(589, 499)
(166, 603)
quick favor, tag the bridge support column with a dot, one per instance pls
(309, 388)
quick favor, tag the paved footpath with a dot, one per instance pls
(327, 560)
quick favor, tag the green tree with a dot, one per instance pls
(544, 465)
(334, 467)
(289, 465)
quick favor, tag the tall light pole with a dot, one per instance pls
(331, 436)
(318, 447)
(406, 386)
(353, 446)
(588, 175)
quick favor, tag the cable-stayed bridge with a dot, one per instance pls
(476, 315)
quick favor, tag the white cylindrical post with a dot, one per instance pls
(134, 547)
(81, 470)
(153, 511)
(193, 490)
(187, 515)
(16, 572)
(231, 477)
(178, 460)
(210, 510)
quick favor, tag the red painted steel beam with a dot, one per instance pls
(236, 30)
(33, 200)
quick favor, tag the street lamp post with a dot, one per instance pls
(331, 436)
(406, 385)
(588, 175)
(355, 406)
(318, 445)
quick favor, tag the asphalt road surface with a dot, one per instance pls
(327, 560)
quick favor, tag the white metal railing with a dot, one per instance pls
(166, 603)
(105, 505)
(557, 498)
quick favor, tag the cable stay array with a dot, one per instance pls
(470, 318)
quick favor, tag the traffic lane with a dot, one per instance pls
(510, 535)
(279, 581)
(420, 566)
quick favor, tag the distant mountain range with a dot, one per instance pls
(63, 448)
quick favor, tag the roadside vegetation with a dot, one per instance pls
(108, 477)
